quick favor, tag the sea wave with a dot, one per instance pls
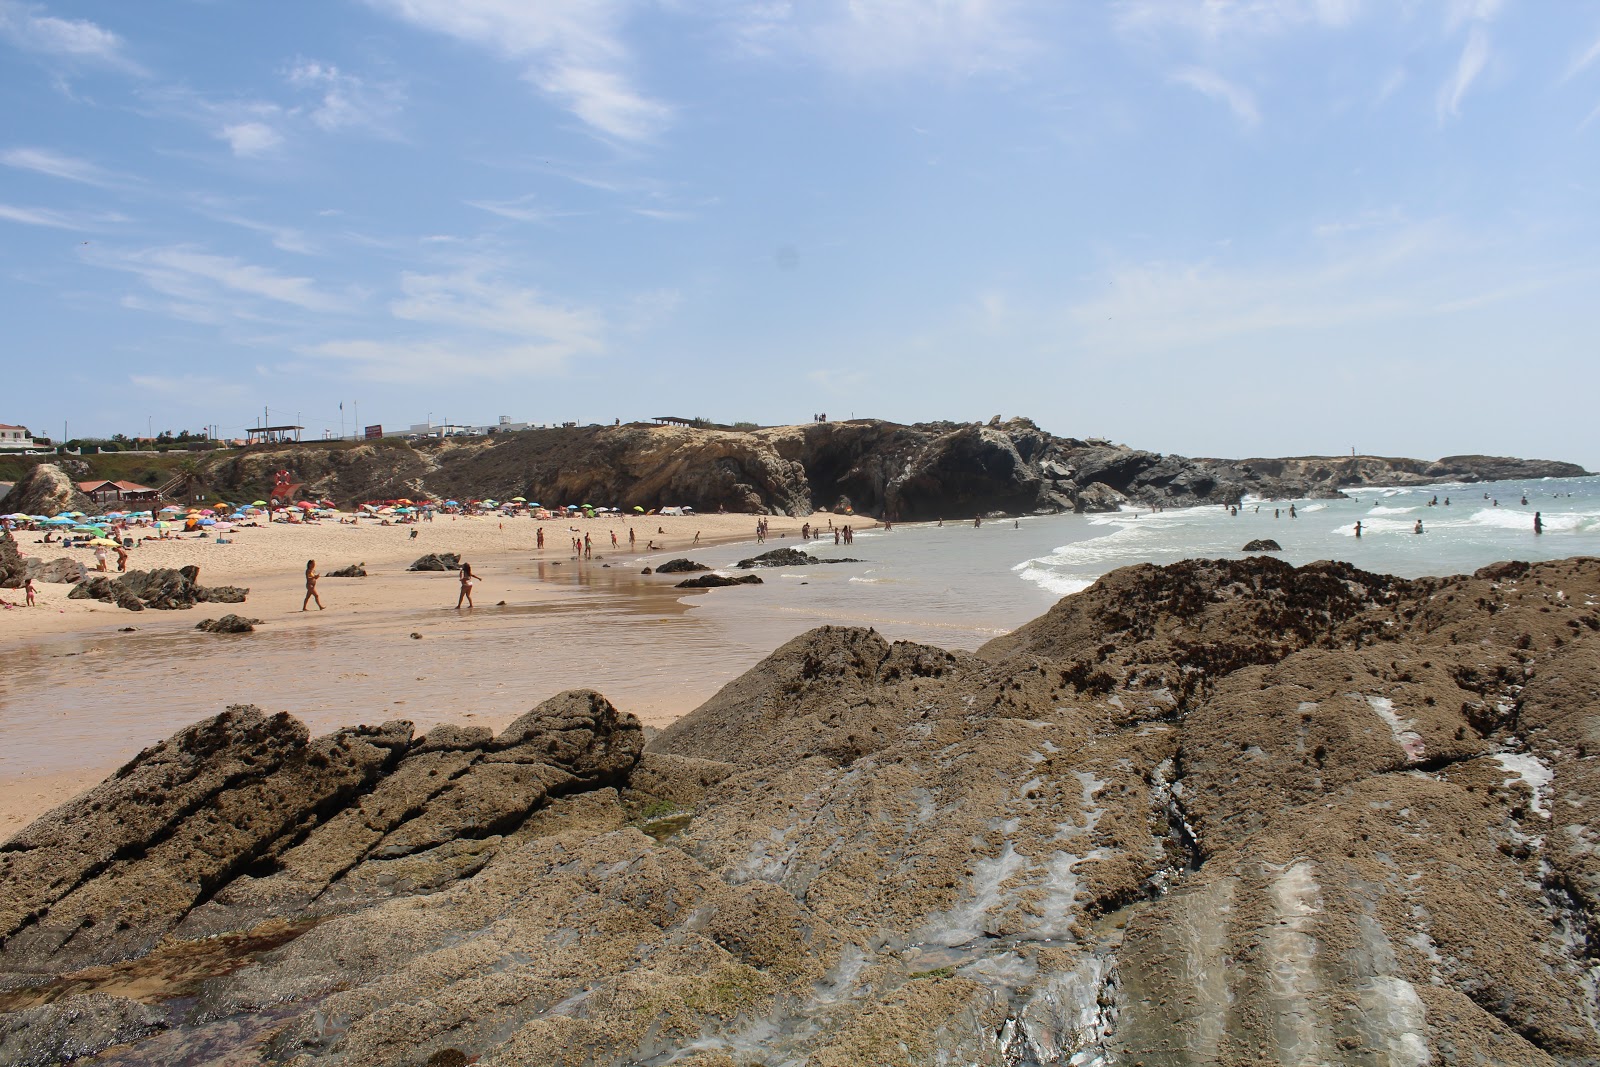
(1054, 581)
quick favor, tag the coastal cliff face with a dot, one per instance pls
(1222, 812)
(925, 471)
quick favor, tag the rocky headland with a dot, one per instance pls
(908, 472)
(1220, 812)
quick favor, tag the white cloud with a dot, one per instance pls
(426, 362)
(285, 238)
(889, 36)
(250, 138)
(1219, 20)
(26, 27)
(1474, 57)
(346, 101)
(1218, 88)
(205, 280)
(520, 209)
(188, 386)
(470, 324)
(1589, 56)
(1360, 275)
(573, 51)
(44, 161)
(468, 300)
(60, 220)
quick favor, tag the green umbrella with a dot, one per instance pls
(637, 508)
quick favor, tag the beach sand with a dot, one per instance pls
(83, 694)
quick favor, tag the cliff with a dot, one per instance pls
(923, 471)
(1217, 813)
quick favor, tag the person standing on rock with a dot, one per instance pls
(311, 586)
(467, 578)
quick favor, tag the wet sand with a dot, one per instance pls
(80, 696)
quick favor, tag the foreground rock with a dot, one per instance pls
(355, 570)
(1262, 544)
(164, 589)
(1218, 813)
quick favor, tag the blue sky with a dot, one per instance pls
(1219, 228)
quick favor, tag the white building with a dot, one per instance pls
(15, 436)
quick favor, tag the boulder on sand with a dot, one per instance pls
(788, 557)
(716, 581)
(228, 624)
(355, 570)
(437, 561)
(45, 490)
(681, 566)
(164, 589)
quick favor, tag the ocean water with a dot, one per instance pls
(957, 586)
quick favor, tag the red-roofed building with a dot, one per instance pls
(108, 492)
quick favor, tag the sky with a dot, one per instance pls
(1211, 227)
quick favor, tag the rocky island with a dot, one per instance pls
(1219, 812)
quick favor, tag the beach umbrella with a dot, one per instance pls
(535, 504)
(171, 508)
(76, 514)
(208, 522)
(163, 525)
(103, 542)
(637, 508)
(520, 499)
(306, 505)
(258, 503)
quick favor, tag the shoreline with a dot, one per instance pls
(86, 680)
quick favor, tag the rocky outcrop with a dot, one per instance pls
(164, 589)
(1262, 544)
(46, 490)
(922, 471)
(16, 569)
(228, 624)
(355, 570)
(1225, 812)
(681, 566)
(718, 581)
(437, 561)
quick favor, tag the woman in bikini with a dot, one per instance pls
(467, 578)
(311, 585)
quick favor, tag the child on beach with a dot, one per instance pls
(311, 585)
(467, 578)
(27, 588)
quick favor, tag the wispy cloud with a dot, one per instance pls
(1214, 85)
(519, 209)
(27, 27)
(250, 139)
(471, 324)
(1582, 63)
(1474, 57)
(206, 280)
(346, 101)
(188, 386)
(60, 220)
(56, 165)
(864, 37)
(573, 53)
(285, 238)
(1221, 20)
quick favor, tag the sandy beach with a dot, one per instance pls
(117, 680)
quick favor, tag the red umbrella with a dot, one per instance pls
(307, 505)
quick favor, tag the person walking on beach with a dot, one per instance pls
(122, 558)
(311, 586)
(467, 578)
(539, 539)
(630, 539)
(100, 558)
